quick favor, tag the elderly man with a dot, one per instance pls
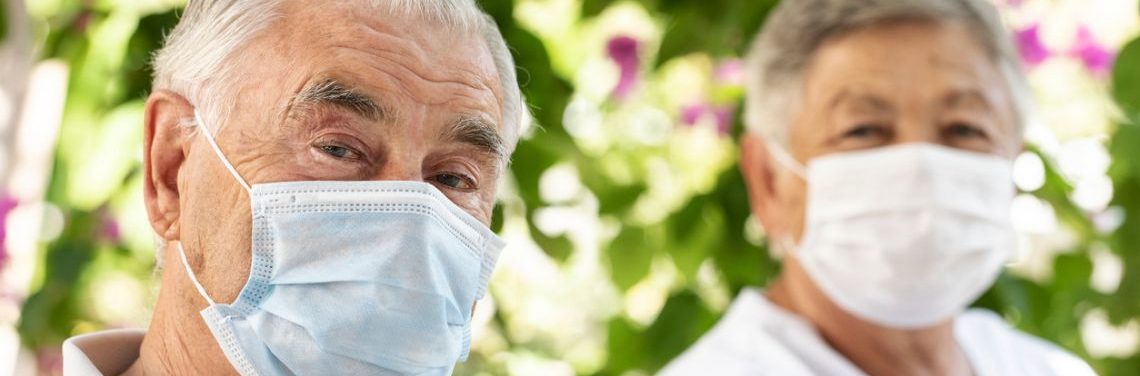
(321, 175)
(907, 114)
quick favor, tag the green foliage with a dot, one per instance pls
(96, 173)
(50, 312)
(1126, 240)
(630, 256)
(682, 321)
(3, 22)
(1126, 79)
(1125, 172)
(718, 27)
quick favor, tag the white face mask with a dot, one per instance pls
(905, 236)
(353, 278)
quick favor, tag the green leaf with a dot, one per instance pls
(1072, 271)
(558, 248)
(1057, 191)
(1126, 79)
(630, 256)
(682, 321)
(591, 8)
(625, 346)
(615, 199)
(695, 231)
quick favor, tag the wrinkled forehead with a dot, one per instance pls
(909, 61)
(370, 43)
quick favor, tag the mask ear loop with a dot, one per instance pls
(786, 244)
(217, 150)
(194, 279)
(226, 162)
(785, 159)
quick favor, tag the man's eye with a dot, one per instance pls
(963, 130)
(337, 151)
(455, 181)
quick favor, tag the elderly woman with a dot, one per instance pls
(907, 114)
(321, 175)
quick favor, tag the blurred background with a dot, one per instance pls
(628, 220)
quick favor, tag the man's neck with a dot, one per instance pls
(178, 342)
(875, 349)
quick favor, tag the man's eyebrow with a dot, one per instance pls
(478, 132)
(334, 93)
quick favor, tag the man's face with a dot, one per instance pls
(336, 91)
(888, 84)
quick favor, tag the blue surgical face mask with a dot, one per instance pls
(355, 278)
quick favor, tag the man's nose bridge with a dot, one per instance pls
(404, 159)
(399, 168)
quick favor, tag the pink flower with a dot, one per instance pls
(625, 52)
(722, 116)
(730, 72)
(1033, 51)
(7, 203)
(1097, 58)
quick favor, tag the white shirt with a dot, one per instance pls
(756, 337)
(108, 352)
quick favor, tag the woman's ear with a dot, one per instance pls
(164, 150)
(756, 165)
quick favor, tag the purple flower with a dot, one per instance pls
(1033, 51)
(7, 203)
(109, 227)
(722, 116)
(730, 72)
(1097, 58)
(625, 52)
(692, 113)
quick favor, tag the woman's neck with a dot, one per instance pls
(875, 349)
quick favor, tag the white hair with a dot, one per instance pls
(194, 61)
(796, 29)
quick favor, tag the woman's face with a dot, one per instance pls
(889, 84)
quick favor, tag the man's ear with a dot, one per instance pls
(164, 152)
(760, 178)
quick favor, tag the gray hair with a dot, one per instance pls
(194, 59)
(796, 29)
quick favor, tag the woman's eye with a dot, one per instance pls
(963, 130)
(455, 181)
(866, 131)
